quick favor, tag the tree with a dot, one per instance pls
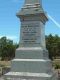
(7, 48)
(53, 45)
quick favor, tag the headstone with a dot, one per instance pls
(31, 58)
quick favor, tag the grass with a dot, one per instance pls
(5, 63)
(56, 63)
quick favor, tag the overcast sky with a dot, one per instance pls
(10, 24)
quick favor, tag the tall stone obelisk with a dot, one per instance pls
(31, 58)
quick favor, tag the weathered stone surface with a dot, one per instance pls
(31, 53)
(32, 34)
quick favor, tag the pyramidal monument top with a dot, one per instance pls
(32, 1)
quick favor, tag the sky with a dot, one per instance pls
(10, 24)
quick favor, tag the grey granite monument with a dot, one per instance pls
(31, 58)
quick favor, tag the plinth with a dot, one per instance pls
(31, 60)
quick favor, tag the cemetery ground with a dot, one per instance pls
(4, 67)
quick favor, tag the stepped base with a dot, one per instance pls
(31, 53)
(31, 64)
(29, 76)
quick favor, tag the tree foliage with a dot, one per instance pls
(7, 48)
(53, 45)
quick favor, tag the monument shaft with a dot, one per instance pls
(33, 21)
(31, 60)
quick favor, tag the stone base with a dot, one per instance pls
(31, 64)
(29, 76)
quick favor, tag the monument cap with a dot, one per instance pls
(31, 7)
(32, 1)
